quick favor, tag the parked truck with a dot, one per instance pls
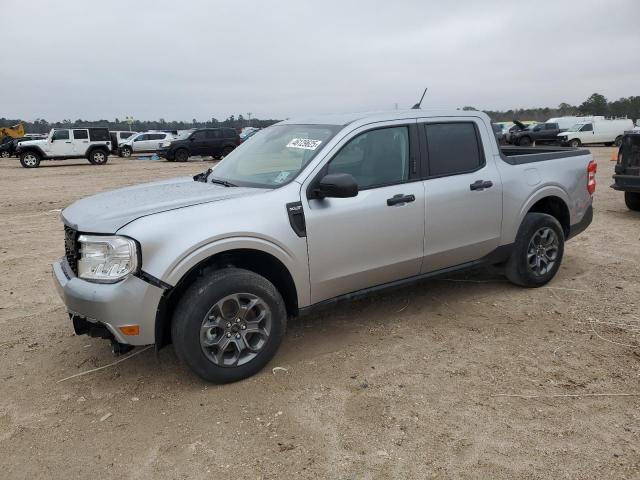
(311, 212)
(627, 169)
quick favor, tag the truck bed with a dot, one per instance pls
(519, 155)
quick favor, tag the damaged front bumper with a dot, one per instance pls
(94, 307)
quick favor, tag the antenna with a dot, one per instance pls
(417, 105)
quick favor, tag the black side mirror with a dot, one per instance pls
(337, 185)
(53, 139)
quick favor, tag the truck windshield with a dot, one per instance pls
(274, 156)
(576, 127)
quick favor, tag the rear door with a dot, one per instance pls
(377, 236)
(214, 143)
(463, 192)
(80, 141)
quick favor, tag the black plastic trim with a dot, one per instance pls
(296, 218)
(156, 282)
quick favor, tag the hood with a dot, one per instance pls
(32, 143)
(520, 125)
(109, 211)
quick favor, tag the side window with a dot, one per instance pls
(98, 134)
(453, 148)
(213, 134)
(200, 135)
(229, 133)
(60, 135)
(551, 126)
(375, 158)
(587, 128)
(141, 138)
(80, 134)
(157, 136)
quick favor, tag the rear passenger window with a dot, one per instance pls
(453, 148)
(200, 135)
(375, 158)
(212, 134)
(99, 135)
(157, 136)
(229, 133)
(80, 134)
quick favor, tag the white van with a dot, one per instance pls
(567, 122)
(600, 130)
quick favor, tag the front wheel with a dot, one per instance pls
(5, 154)
(618, 141)
(125, 152)
(537, 251)
(29, 159)
(575, 143)
(181, 155)
(524, 142)
(98, 157)
(228, 325)
(632, 199)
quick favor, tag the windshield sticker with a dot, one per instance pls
(304, 143)
(282, 176)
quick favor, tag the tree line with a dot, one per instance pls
(41, 125)
(596, 104)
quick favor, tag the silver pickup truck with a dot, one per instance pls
(306, 213)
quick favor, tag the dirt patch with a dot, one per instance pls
(399, 385)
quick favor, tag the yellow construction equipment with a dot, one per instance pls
(15, 132)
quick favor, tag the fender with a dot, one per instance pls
(539, 194)
(194, 257)
(97, 147)
(32, 148)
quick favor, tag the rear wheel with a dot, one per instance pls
(228, 325)
(537, 252)
(98, 157)
(181, 155)
(29, 159)
(5, 154)
(125, 152)
(226, 151)
(524, 142)
(575, 143)
(632, 199)
(618, 141)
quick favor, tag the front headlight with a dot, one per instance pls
(106, 259)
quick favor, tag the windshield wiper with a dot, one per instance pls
(219, 181)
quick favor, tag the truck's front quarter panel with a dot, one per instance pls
(175, 241)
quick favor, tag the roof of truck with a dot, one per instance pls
(347, 118)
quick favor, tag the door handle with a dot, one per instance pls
(481, 185)
(400, 198)
(67, 142)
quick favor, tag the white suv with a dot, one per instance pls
(93, 144)
(145, 142)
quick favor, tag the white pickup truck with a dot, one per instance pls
(91, 143)
(311, 211)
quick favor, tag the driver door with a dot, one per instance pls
(376, 237)
(61, 144)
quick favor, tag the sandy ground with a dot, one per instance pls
(405, 384)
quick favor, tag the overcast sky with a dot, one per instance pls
(187, 59)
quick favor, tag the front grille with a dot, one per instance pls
(71, 248)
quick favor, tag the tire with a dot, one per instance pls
(575, 143)
(30, 159)
(125, 152)
(540, 237)
(632, 199)
(181, 155)
(618, 141)
(226, 151)
(207, 315)
(524, 142)
(5, 154)
(98, 157)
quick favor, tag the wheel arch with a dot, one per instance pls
(252, 259)
(553, 202)
(93, 148)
